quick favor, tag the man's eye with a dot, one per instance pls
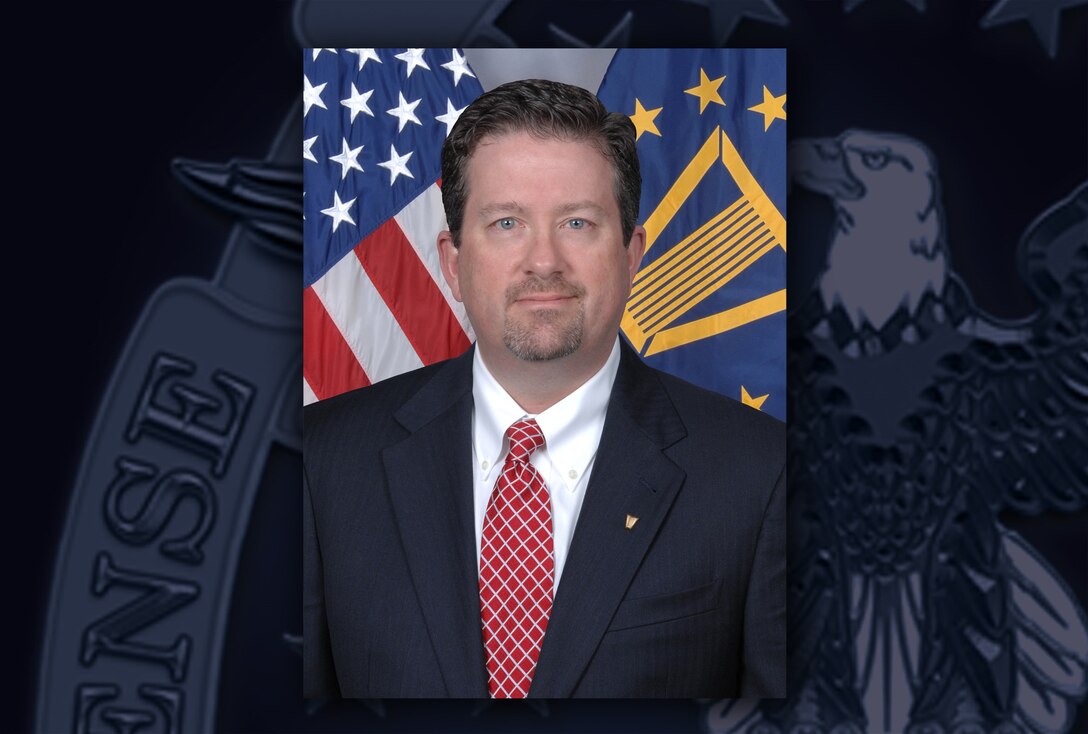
(506, 223)
(577, 224)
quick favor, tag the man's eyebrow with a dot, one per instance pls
(580, 206)
(501, 207)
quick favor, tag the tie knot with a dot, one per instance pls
(525, 438)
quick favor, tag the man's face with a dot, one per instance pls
(542, 268)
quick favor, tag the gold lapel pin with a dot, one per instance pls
(631, 520)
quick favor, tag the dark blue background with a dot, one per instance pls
(101, 109)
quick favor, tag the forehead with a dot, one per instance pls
(522, 164)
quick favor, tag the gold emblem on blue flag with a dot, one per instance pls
(723, 247)
(709, 301)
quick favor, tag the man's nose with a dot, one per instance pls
(544, 255)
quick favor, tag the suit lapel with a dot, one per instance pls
(631, 476)
(430, 483)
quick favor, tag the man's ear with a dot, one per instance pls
(635, 249)
(447, 255)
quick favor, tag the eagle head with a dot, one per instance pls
(887, 248)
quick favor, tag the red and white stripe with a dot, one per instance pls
(384, 308)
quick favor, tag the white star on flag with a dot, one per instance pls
(317, 51)
(311, 95)
(306, 145)
(459, 67)
(339, 211)
(397, 165)
(348, 159)
(365, 54)
(452, 113)
(405, 112)
(413, 57)
(358, 102)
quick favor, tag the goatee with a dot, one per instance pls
(547, 333)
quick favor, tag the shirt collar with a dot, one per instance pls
(572, 427)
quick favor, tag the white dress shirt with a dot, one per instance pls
(572, 430)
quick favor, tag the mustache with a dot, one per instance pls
(555, 284)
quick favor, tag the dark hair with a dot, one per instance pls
(544, 109)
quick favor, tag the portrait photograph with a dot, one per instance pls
(544, 373)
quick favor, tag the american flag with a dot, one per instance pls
(375, 303)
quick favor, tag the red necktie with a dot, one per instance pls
(516, 567)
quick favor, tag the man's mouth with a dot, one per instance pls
(553, 292)
(544, 298)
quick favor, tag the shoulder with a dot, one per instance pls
(377, 414)
(370, 403)
(695, 425)
(733, 456)
(710, 414)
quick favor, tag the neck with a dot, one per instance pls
(537, 386)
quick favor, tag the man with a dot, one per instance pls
(544, 515)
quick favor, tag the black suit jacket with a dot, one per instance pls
(690, 602)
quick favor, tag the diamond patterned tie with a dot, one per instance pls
(516, 567)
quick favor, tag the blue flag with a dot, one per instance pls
(709, 303)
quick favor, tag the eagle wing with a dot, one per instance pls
(1020, 390)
